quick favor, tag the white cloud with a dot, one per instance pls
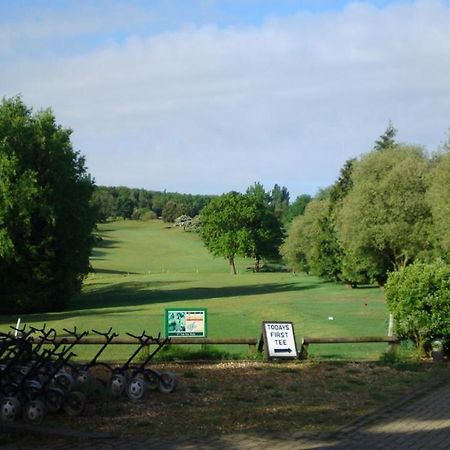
(208, 110)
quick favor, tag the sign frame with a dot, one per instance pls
(183, 333)
(283, 353)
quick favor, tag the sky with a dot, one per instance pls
(205, 97)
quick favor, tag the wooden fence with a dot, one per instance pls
(253, 343)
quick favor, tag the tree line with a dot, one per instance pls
(141, 204)
(113, 202)
(388, 209)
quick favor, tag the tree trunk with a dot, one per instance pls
(257, 264)
(232, 265)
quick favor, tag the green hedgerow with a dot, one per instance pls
(419, 298)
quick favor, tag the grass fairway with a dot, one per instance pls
(140, 268)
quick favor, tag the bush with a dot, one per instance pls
(419, 298)
(144, 214)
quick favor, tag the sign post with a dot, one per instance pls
(279, 340)
(185, 322)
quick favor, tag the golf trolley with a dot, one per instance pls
(136, 381)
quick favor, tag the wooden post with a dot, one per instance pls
(303, 354)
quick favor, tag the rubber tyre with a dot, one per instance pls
(10, 409)
(117, 384)
(167, 383)
(75, 403)
(54, 400)
(136, 389)
(34, 412)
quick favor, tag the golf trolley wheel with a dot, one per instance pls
(32, 389)
(152, 378)
(167, 382)
(10, 409)
(117, 384)
(34, 412)
(75, 403)
(136, 389)
(83, 377)
(54, 399)
(64, 381)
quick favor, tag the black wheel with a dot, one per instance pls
(117, 384)
(54, 400)
(64, 381)
(136, 389)
(10, 409)
(167, 382)
(152, 377)
(75, 403)
(34, 412)
(83, 377)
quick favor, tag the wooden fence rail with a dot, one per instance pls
(392, 342)
(252, 343)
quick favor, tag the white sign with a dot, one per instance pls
(279, 339)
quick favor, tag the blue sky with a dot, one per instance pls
(211, 96)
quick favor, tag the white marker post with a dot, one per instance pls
(17, 327)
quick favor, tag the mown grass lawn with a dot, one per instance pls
(140, 268)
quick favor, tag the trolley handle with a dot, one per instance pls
(40, 330)
(143, 338)
(107, 334)
(75, 334)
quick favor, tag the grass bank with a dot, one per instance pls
(140, 268)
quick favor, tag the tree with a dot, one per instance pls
(438, 197)
(265, 227)
(279, 200)
(46, 219)
(419, 298)
(225, 226)
(386, 140)
(385, 220)
(299, 247)
(297, 208)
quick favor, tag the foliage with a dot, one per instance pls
(113, 202)
(299, 247)
(225, 226)
(439, 199)
(385, 219)
(279, 200)
(267, 232)
(46, 220)
(143, 214)
(297, 208)
(242, 224)
(419, 298)
(327, 253)
(387, 139)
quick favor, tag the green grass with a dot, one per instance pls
(140, 268)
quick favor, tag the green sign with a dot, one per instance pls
(185, 322)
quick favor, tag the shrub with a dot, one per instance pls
(419, 298)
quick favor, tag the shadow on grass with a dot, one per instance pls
(124, 296)
(103, 243)
(113, 272)
(143, 293)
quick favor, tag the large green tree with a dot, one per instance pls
(46, 219)
(439, 200)
(300, 247)
(225, 230)
(385, 221)
(265, 226)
